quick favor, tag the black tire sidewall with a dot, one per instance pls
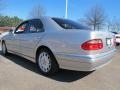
(5, 49)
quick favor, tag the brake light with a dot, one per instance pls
(94, 44)
(117, 36)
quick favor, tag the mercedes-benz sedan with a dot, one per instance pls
(55, 43)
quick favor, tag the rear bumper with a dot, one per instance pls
(84, 63)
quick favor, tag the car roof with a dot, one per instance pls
(47, 17)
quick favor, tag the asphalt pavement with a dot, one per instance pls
(17, 73)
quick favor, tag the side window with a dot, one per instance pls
(21, 28)
(35, 26)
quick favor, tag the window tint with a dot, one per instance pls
(68, 24)
(115, 32)
(35, 26)
(21, 28)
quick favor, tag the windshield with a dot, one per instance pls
(69, 24)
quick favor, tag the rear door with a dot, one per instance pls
(31, 37)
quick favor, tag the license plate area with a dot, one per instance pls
(109, 42)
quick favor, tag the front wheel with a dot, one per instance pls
(4, 49)
(46, 62)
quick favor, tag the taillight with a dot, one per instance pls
(117, 36)
(94, 44)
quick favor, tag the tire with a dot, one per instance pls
(4, 49)
(46, 62)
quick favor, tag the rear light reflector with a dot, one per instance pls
(94, 44)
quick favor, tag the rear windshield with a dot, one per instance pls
(69, 24)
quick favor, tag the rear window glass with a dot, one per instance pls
(69, 24)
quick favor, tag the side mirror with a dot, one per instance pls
(11, 30)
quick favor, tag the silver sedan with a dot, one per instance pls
(55, 43)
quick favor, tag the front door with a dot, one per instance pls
(15, 37)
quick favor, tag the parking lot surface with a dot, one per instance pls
(17, 73)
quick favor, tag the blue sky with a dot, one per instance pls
(76, 8)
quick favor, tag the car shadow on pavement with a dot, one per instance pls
(62, 75)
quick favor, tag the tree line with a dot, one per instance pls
(9, 21)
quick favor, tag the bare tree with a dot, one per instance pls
(114, 26)
(95, 17)
(37, 11)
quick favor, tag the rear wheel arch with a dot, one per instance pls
(44, 47)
